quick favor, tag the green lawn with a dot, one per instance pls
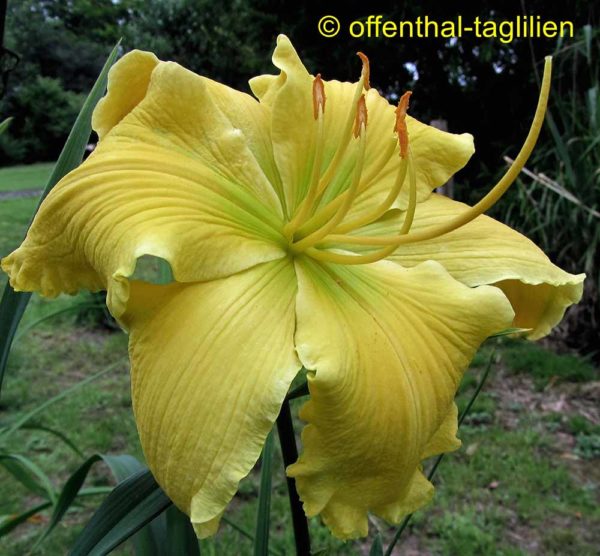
(32, 176)
(524, 482)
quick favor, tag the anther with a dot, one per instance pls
(366, 71)
(360, 120)
(401, 128)
(319, 97)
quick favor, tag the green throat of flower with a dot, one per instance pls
(316, 223)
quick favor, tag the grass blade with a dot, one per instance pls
(14, 521)
(121, 466)
(377, 546)
(263, 518)
(132, 504)
(29, 475)
(13, 304)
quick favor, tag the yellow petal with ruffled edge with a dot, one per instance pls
(211, 365)
(437, 154)
(128, 82)
(178, 177)
(387, 348)
(488, 252)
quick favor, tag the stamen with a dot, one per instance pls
(308, 204)
(330, 208)
(379, 211)
(346, 133)
(412, 197)
(402, 131)
(352, 192)
(339, 258)
(360, 120)
(401, 128)
(366, 71)
(468, 215)
(319, 108)
(319, 97)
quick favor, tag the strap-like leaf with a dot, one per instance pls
(13, 304)
(181, 538)
(10, 523)
(29, 475)
(377, 546)
(131, 505)
(122, 467)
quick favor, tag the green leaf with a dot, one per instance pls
(181, 538)
(150, 539)
(132, 504)
(263, 518)
(14, 521)
(121, 466)
(13, 304)
(29, 475)
(377, 546)
(165, 274)
(4, 125)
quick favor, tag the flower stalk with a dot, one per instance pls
(289, 452)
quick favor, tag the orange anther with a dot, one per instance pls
(361, 116)
(401, 128)
(366, 71)
(319, 97)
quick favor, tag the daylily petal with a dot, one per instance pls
(292, 122)
(168, 181)
(128, 82)
(387, 347)
(488, 252)
(211, 365)
(437, 154)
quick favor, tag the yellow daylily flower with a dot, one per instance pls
(293, 241)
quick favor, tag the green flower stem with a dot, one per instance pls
(439, 459)
(261, 539)
(289, 451)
